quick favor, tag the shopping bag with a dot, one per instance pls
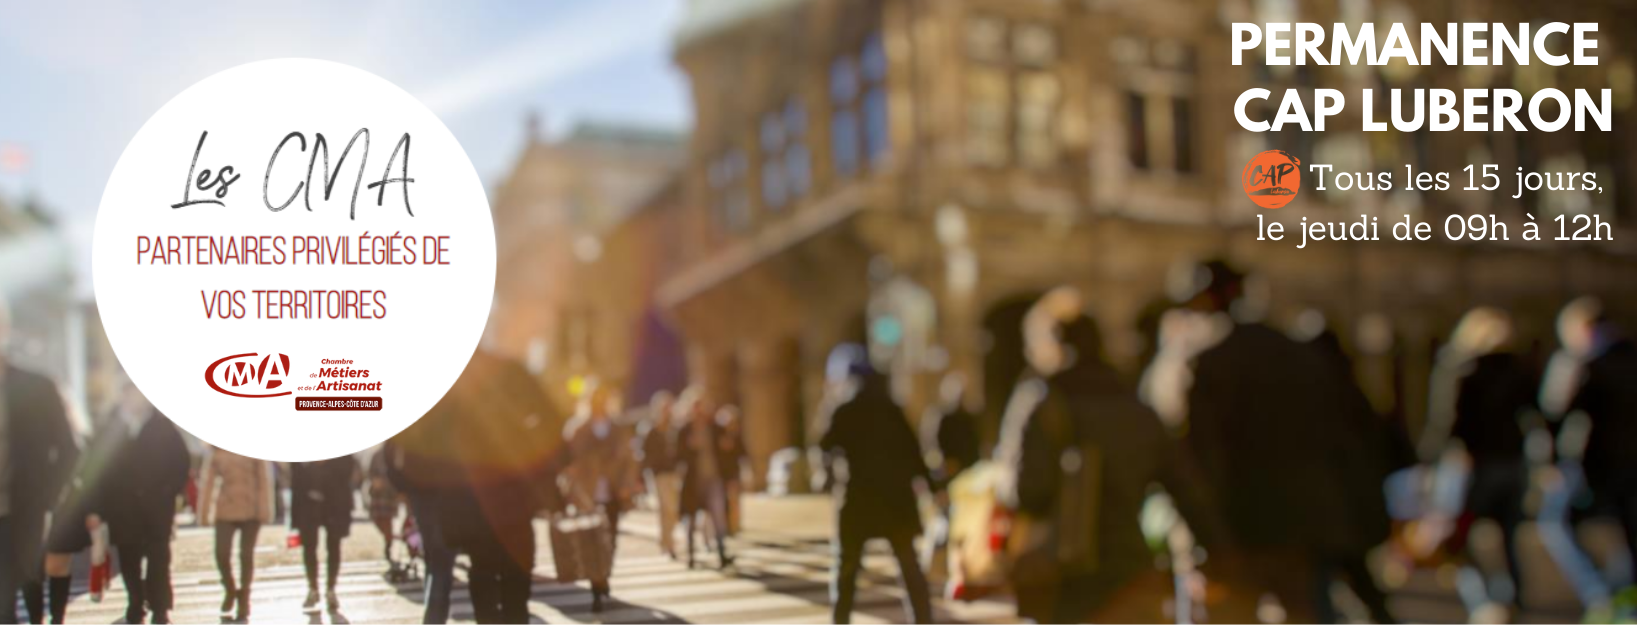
(582, 545)
(978, 527)
(101, 564)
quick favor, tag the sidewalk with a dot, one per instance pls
(799, 517)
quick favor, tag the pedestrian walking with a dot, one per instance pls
(281, 491)
(731, 448)
(1590, 394)
(68, 534)
(1079, 455)
(137, 497)
(873, 458)
(37, 457)
(1379, 438)
(659, 466)
(384, 503)
(321, 504)
(1481, 405)
(703, 468)
(1281, 457)
(425, 476)
(480, 466)
(602, 477)
(949, 432)
(236, 497)
(950, 446)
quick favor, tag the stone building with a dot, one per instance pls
(920, 170)
(556, 307)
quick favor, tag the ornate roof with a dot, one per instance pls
(707, 17)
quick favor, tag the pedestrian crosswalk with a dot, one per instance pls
(776, 579)
(781, 575)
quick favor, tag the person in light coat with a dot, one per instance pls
(236, 496)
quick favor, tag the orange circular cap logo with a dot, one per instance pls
(1272, 178)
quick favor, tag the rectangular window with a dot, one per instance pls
(988, 99)
(772, 171)
(784, 173)
(1182, 135)
(1037, 96)
(1136, 131)
(1012, 93)
(859, 132)
(1034, 45)
(844, 143)
(798, 175)
(873, 62)
(1160, 129)
(844, 126)
(877, 144)
(726, 178)
(986, 39)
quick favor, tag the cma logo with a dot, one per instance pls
(243, 375)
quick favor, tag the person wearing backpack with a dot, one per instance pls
(1281, 439)
(1079, 455)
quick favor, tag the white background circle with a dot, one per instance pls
(154, 314)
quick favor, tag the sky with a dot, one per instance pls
(77, 80)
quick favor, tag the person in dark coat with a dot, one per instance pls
(476, 470)
(950, 445)
(874, 460)
(1609, 398)
(732, 449)
(1080, 455)
(949, 433)
(1603, 398)
(1380, 438)
(321, 500)
(1483, 397)
(68, 534)
(1281, 455)
(659, 466)
(137, 498)
(703, 461)
(603, 475)
(413, 473)
(40, 451)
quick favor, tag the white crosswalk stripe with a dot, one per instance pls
(775, 580)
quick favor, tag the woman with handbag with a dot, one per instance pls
(137, 498)
(603, 478)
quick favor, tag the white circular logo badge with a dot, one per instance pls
(294, 260)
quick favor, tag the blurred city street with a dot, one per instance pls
(781, 576)
(737, 241)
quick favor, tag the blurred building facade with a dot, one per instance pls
(49, 327)
(563, 305)
(914, 173)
